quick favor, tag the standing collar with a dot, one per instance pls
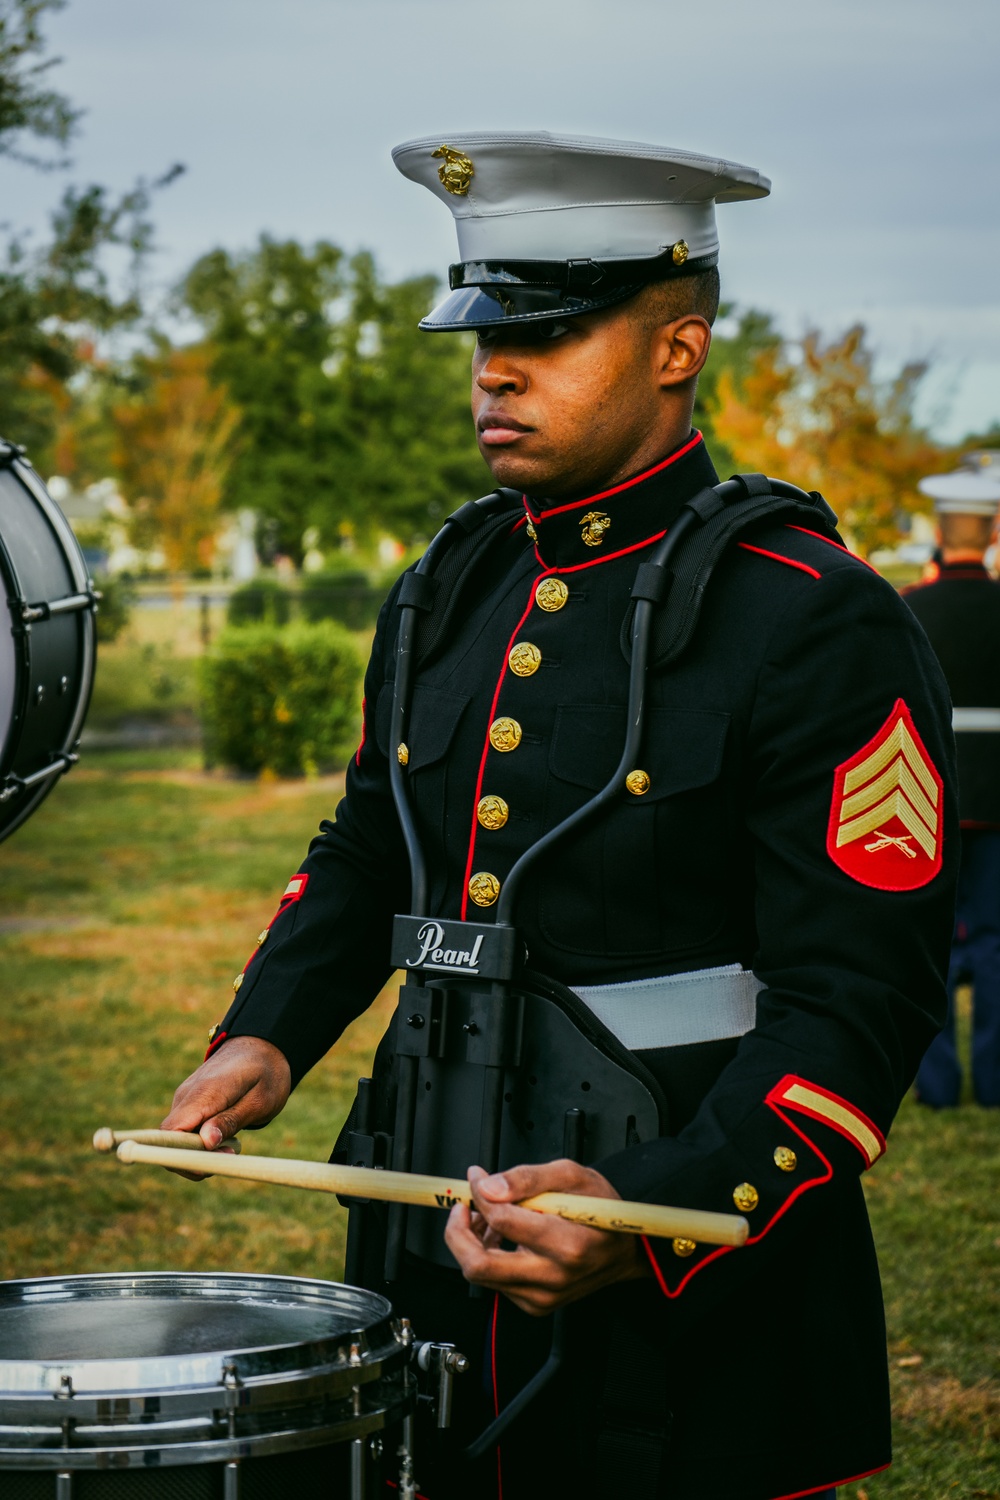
(966, 571)
(568, 533)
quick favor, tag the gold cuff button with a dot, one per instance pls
(524, 659)
(492, 812)
(637, 783)
(551, 594)
(484, 888)
(505, 734)
(746, 1197)
(785, 1158)
(683, 1247)
(237, 982)
(402, 754)
(262, 936)
(214, 1032)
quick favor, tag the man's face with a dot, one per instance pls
(562, 408)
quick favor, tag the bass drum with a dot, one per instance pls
(47, 643)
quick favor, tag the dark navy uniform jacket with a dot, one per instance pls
(796, 816)
(960, 612)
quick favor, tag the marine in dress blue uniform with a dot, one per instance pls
(762, 917)
(960, 611)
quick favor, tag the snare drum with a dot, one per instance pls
(178, 1386)
(46, 643)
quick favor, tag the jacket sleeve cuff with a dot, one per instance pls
(800, 1137)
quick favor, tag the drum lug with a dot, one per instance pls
(64, 1485)
(444, 1361)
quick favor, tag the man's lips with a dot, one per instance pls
(496, 428)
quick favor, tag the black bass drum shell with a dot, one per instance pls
(47, 641)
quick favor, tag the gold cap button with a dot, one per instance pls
(237, 982)
(551, 594)
(680, 253)
(683, 1247)
(484, 888)
(492, 812)
(746, 1197)
(637, 783)
(505, 734)
(402, 754)
(524, 659)
(785, 1158)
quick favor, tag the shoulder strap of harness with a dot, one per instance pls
(680, 589)
(438, 594)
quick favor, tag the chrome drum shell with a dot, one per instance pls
(191, 1369)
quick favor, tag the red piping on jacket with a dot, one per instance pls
(215, 1042)
(779, 557)
(803, 1109)
(617, 489)
(831, 543)
(803, 1187)
(364, 732)
(818, 1489)
(486, 748)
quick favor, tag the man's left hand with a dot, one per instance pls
(554, 1262)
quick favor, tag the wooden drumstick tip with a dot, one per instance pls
(104, 1139)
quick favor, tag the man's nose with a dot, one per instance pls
(500, 375)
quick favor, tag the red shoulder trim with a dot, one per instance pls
(790, 562)
(831, 543)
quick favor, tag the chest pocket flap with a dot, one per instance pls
(434, 718)
(682, 748)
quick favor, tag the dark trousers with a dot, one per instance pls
(975, 960)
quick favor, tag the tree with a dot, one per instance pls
(826, 422)
(56, 297)
(351, 420)
(174, 452)
(732, 354)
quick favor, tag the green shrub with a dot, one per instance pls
(281, 699)
(343, 594)
(143, 682)
(115, 607)
(261, 601)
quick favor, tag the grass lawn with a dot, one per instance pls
(128, 903)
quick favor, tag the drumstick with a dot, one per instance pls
(445, 1192)
(106, 1139)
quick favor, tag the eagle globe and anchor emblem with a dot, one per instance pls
(456, 170)
(593, 527)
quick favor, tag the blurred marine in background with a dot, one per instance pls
(750, 933)
(960, 611)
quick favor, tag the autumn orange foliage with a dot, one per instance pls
(826, 422)
(173, 451)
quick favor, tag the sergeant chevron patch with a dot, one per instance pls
(886, 817)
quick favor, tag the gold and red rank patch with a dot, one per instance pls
(886, 820)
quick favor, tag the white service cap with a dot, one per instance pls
(969, 492)
(550, 225)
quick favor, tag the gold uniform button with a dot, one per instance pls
(551, 594)
(492, 812)
(746, 1197)
(262, 936)
(402, 754)
(505, 734)
(683, 1247)
(484, 888)
(637, 783)
(785, 1158)
(524, 659)
(237, 982)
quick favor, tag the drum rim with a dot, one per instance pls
(267, 1373)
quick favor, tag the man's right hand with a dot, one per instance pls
(245, 1082)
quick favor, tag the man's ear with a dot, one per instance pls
(680, 349)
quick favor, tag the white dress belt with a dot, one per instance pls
(705, 1005)
(975, 720)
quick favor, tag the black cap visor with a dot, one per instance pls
(487, 293)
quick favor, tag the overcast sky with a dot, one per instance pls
(877, 120)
